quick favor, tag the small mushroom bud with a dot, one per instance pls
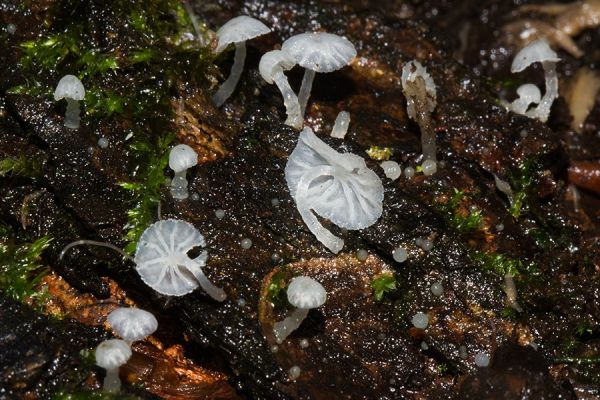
(528, 94)
(110, 355)
(71, 89)
(181, 158)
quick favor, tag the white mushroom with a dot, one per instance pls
(336, 186)
(271, 67)
(110, 355)
(419, 89)
(528, 94)
(340, 127)
(132, 324)
(539, 51)
(71, 89)
(391, 169)
(303, 293)
(237, 31)
(317, 52)
(181, 158)
(163, 264)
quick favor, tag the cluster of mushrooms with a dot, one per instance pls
(322, 181)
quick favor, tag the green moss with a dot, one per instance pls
(379, 153)
(455, 210)
(277, 290)
(151, 162)
(22, 166)
(383, 284)
(501, 265)
(523, 182)
(21, 270)
(92, 395)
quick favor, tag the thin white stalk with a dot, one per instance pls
(282, 329)
(229, 85)
(179, 185)
(72, 117)
(213, 291)
(304, 93)
(290, 100)
(112, 382)
(542, 111)
(340, 127)
(93, 243)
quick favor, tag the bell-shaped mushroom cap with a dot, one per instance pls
(321, 51)
(112, 353)
(275, 61)
(529, 93)
(161, 256)
(305, 292)
(536, 51)
(182, 157)
(240, 29)
(69, 87)
(351, 196)
(132, 324)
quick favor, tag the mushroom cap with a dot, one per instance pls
(320, 51)
(410, 72)
(273, 62)
(305, 292)
(132, 324)
(529, 93)
(239, 29)
(536, 51)
(161, 256)
(112, 353)
(182, 157)
(70, 87)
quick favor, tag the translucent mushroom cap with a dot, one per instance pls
(182, 157)
(112, 353)
(410, 72)
(351, 196)
(529, 93)
(69, 87)
(132, 324)
(536, 51)
(321, 51)
(240, 29)
(273, 62)
(305, 292)
(161, 256)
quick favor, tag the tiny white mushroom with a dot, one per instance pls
(391, 169)
(317, 52)
(181, 158)
(482, 360)
(539, 51)
(237, 31)
(420, 320)
(429, 167)
(303, 293)
(505, 188)
(400, 254)
(528, 94)
(271, 67)
(110, 355)
(340, 127)
(132, 324)
(511, 293)
(71, 89)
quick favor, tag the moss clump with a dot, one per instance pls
(21, 270)
(379, 153)
(277, 290)
(383, 284)
(458, 213)
(501, 265)
(523, 182)
(21, 166)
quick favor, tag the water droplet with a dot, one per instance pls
(275, 202)
(420, 320)
(294, 372)
(400, 254)
(219, 213)
(103, 143)
(275, 257)
(11, 29)
(246, 243)
(304, 343)
(437, 289)
(482, 360)
(409, 172)
(362, 255)
(195, 196)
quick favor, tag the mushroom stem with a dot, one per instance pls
(542, 111)
(340, 127)
(213, 291)
(112, 382)
(179, 185)
(424, 120)
(304, 93)
(290, 100)
(283, 328)
(229, 85)
(72, 115)
(93, 243)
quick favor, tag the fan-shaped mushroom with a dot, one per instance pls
(337, 186)
(110, 355)
(132, 324)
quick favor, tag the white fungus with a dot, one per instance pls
(420, 320)
(400, 254)
(362, 255)
(336, 186)
(429, 167)
(220, 213)
(528, 94)
(181, 158)
(294, 372)
(317, 52)
(420, 92)
(71, 89)
(340, 127)
(132, 324)
(271, 67)
(241, 302)
(103, 143)
(437, 289)
(304, 293)
(511, 293)
(500, 227)
(304, 343)
(163, 264)
(110, 355)
(482, 360)
(237, 31)
(409, 172)
(505, 188)
(246, 243)
(195, 196)
(391, 169)
(424, 244)
(539, 51)
(11, 29)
